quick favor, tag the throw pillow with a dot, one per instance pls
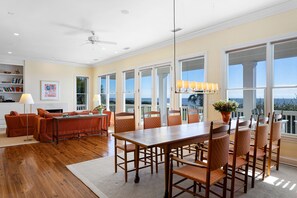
(41, 112)
(14, 113)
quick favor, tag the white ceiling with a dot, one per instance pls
(57, 29)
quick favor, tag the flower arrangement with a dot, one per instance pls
(225, 106)
(99, 108)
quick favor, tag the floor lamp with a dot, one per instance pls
(26, 99)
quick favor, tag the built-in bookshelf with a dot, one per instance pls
(11, 82)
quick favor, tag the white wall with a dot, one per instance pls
(35, 71)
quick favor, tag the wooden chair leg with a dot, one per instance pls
(156, 159)
(195, 187)
(254, 172)
(177, 154)
(207, 190)
(152, 161)
(170, 178)
(225, 186)
(246, 176)
(126, 167)
(264, 167)
(277, 155)
(115, 157)
(232, 182)
(268, 161)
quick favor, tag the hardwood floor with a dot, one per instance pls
(39, 170)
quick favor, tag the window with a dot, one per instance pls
(82, 93)
(107, 84)
(253, 81)
(284, 90)
(129, 90)
(192, 70)
(247, 79)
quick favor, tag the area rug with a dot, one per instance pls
(14, 141)
(99, 176)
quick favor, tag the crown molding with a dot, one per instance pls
(253, 16)
(20, 60)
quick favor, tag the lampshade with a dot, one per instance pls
(26, 99)
(97, 98)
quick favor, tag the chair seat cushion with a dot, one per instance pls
(130, 147)
(199, 174)
(239, 161)
(260, 152)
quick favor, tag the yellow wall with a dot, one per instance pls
(213, 44)
(35, 71)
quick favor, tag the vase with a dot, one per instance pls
(226, 116)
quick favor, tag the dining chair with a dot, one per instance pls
(202, 149)
(274, 142)
(193, 116)
(152, 120)
(258, 150)
(239, 157)
(174, 117)
(200, 173)
(125, 122)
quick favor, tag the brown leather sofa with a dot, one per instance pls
(17, 124)
(68, 128)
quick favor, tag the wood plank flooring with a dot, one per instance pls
(39, 170)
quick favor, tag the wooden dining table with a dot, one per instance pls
(167, 138)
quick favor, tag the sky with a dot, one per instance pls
(285, 74)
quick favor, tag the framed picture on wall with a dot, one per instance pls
(49, 90)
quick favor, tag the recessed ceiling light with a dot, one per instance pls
(115, 52)
(125, 11)
(9, 52)
(16, 34)
(96, 59)
(103, 48)
(126, 48)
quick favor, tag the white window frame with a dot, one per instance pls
(88, 92)
(107, 88)
(269, 42)
(179, 74)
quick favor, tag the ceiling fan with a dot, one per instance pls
(93, 39)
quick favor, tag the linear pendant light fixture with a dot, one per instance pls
(185, 86)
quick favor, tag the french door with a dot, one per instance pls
(155, 91)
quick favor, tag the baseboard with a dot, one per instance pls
(288, 160)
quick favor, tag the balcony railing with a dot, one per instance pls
(289, 120)
(81, 107)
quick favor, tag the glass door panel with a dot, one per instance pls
(129, 92)
(163, 91)
(146, 92)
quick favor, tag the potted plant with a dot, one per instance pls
(100, 108)
(225, 107)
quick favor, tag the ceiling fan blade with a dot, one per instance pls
(74, 27)
(106, 42)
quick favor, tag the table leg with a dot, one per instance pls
(57, 131)
(136, 158)
(166, 164)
